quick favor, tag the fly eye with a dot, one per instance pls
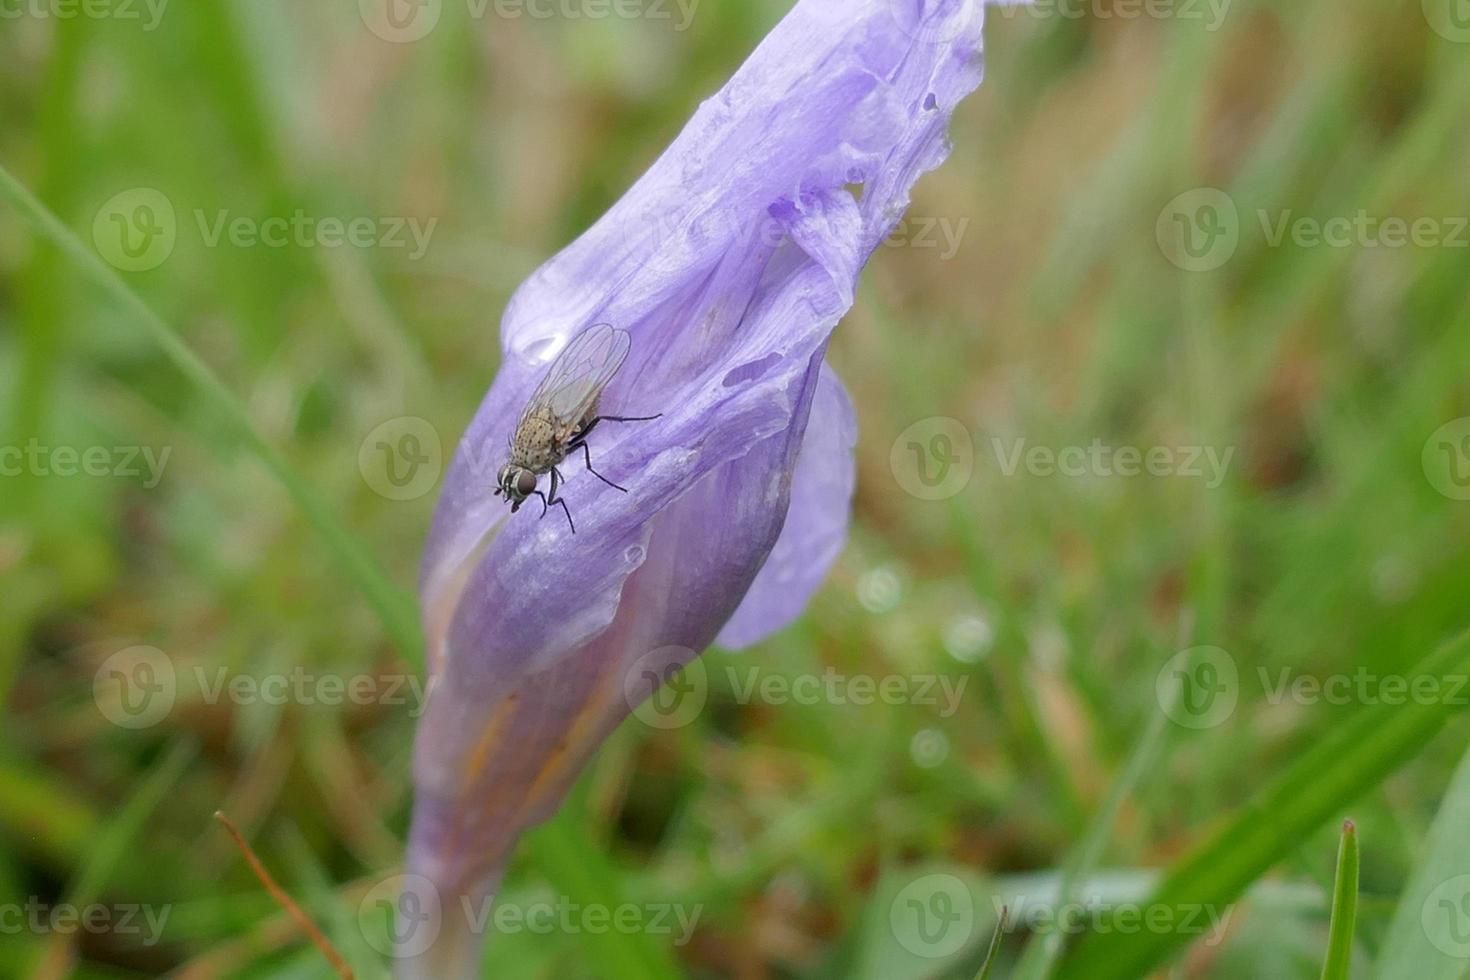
(526, 483)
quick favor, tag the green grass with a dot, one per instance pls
(1068, 779)
(1338, 965)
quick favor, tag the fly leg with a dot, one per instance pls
(616, 418)
(551, 500)
(587, 454)
(580, 441)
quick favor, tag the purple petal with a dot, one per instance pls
(816, 523)
(496, 751)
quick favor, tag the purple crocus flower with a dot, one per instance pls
(729, 263)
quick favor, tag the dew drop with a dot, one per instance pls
(635, 554)
(929, 748)
(541, 351)
(880, 590)
(1394, 579)
(968, 638)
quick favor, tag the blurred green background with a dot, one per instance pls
(1120, 253)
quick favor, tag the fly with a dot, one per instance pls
(561, 414)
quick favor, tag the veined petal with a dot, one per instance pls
(816, 521)
(729, 262)
(497, 752)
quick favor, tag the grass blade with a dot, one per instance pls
(1348, 762)
(577, 868)
(1344, 907)
(1000, 930)
(1042, 953)
(114, 844)
(395, 607)
(1425, 940)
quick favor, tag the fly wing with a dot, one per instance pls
(580, 373)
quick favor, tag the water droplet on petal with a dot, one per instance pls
(541, 351)
(635, 554)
